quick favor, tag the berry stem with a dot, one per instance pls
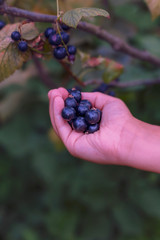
(58, 9)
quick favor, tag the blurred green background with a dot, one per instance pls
(45, 193)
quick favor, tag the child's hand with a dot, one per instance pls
(104, 146)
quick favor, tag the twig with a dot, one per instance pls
(116, 43)
(128, 84)
(66, 67)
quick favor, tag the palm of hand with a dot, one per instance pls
(103, 145)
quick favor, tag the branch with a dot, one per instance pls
(128, 84)
(116, 43)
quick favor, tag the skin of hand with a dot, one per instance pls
(121, 139)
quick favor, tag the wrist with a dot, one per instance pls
(140, 145)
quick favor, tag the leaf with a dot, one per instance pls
(72, 17)
(154, 7)
(29, 31)
(11, 58)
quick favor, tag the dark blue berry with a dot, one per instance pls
(82, 109)
(65, 27)
(59, 53)
(72, 50)
(69, 90)
(16, 36)
(68, 113)
(76, 94)
(54, 39)
(93, 128)
(2, 24)
(49, 31)
(86, 103)
(71, 102)
(65, 37)
(100, 112)
(111, 93)
(71, 58)
(92, 116)
(23, 46)
(79, 124)
(102, 88)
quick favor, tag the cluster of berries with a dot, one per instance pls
(80, 114)
(22, 45)
(59, 41)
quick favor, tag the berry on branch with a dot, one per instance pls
(59, 53)
(16, 36)
(49, 31)
(2, 24)
(23, 46)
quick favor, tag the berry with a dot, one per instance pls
(59, 53)
(68, 113)
(100, 112)
(69, 90)
(23, 46)
(71, 102)
(65, 27)
(2, 24)
(102, 88)
(79, 124)
(65, 37)
(111, 93)
(72, 50)
(86, 103)
(49, 31)
(16, 36)
(54, 39)
(76, 94)
(92, 116)
(93, 128)
(82, 109)
(71, 58)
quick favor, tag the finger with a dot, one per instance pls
(97, 99)
(51, 95)
(63, 128)
(51, 113)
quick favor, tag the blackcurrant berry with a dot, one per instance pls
(79, 124)
(68, 113)
(16, 36)
(92, 116)
(72, 50)
(54, 39)
(2, 24)
(86, 103)
(111, 93)
(93, 128)
(65, 27)
(82, 109)
(59, 53)
(71, 102)
(23, 46)
(101, 88)
(71, 58)
(76, 94)
(49, 31)
(65, 37)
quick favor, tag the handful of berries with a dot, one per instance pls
(80, 114)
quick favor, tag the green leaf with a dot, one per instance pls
(11, 58)
(72, 17)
